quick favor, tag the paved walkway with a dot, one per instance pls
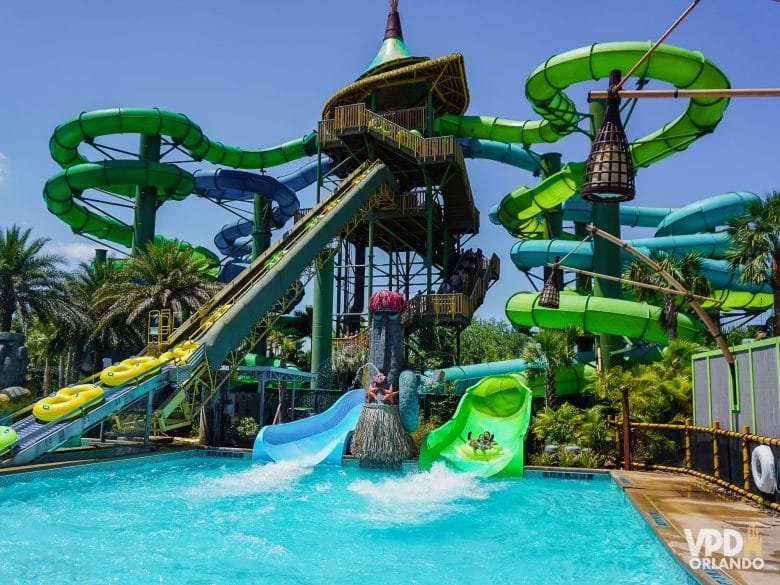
(672, 503)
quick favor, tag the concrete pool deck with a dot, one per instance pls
(672, 503)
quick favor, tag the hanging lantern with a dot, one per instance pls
(609, 171)
(551, 295)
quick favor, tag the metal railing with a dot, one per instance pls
(713, 454)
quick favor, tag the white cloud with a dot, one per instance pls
(74, 252)
(3, 167)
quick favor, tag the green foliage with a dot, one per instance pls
(737, 335)
(548, 351)
(286, 347)
(247, 427)
(659, 392)
(31, 282)
(423, 428)
(685, 268)
(490, 340)
(163, 276)
(559, 426)
(755, 241)
(349, 359)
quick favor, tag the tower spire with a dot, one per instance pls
(393, 46)
(393, 26)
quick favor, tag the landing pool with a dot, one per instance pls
(192, 519)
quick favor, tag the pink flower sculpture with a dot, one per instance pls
(387, 300)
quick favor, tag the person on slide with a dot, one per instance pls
(483, 442)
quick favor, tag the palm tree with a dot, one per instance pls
(165, 275)
(30, 280)
(548, 351)
(686, 269)
(755, 241)
(85, 282)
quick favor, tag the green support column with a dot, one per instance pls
(429, 115)
(146, 197)
(551, 164)
(261, 240)
(606, 256)
(370, 257)
(322, 326)
(429, 239)
(322, 314)
(261, 230)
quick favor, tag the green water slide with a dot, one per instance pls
(63, 192)
(499, 405)
(598, 315)
(544, 89)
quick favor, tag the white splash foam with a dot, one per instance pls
(271, 477)
(323, 487)
(418, 498)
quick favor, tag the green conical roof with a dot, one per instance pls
(391, 49)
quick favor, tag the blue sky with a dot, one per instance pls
(255, 73)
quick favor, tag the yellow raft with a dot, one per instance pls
(129, 369)
(481, 454)
(73, 399)
(7, 438)
(212, 317)
(179, 354)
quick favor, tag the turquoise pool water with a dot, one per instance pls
(202, 520)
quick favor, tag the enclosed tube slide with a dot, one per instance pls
(598, 315)
(122, 177)
(545, 90)
(234, 239)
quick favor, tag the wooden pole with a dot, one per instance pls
(745, 459)
(688, 452)
(765, 92)
(715, 451)
(655, 45)
(701, 313)
(662, 289)
(626, 429)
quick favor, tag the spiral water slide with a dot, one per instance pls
(234, 239)
(63, 192)
(520, 212)
(693, 227)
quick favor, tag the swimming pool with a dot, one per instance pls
(194, 519)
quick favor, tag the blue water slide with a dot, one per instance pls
(577, 209)
(231, 185)
(706, 214)
(510, 154)
(317, 439)
(234, 239)
(528, 254)
(305, 176)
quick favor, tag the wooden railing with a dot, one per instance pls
(360, 339)
(358, 118)
(713, 454)
(451, 305)
(411, 119)
(437, 305)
